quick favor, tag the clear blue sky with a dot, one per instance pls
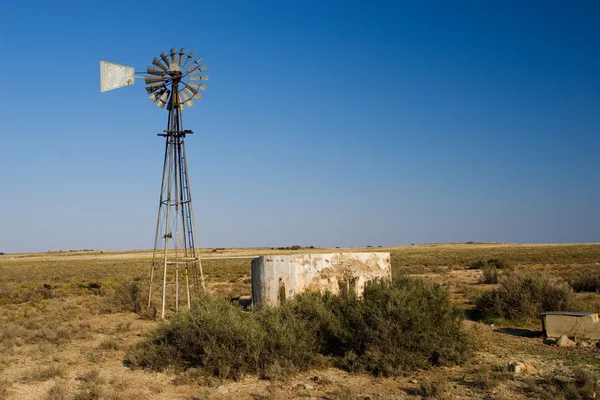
(325, 123)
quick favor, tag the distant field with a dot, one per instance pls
(227, 271)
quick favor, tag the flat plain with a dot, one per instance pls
(67, 323)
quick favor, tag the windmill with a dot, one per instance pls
(173, 81)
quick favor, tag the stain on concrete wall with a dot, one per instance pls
(276, 278)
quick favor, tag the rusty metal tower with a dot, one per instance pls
(172, 81)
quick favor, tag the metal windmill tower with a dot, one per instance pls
(172, 81)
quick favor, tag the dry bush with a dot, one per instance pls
(490, 275)
(586, 282)
(109, 344)
(524, 295)
(433, 389)
(38, 374)
(123, 327)
(582, 385)
(58, 391)
(91, 387)
(582, 278)
(395, 328)
(342, 393)
(128, 296)
(488, 378)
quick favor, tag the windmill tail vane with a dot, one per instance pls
(173, 80)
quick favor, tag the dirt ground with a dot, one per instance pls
(63, 337)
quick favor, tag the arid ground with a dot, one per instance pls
(66, 324)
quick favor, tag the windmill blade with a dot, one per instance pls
(153, 79)
(196, 70)
(189, 57)
(159, 64)
(197, 86)
(199, 78)
(187, 97)
(195, 66)
(154, 87)
(114, 76)
(181, 53)
(163, 99)
(154, 71)
(193, 91)
(165, 58)
(156, 95)
(174, 56)
(197, 61)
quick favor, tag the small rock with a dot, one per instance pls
(529, 368)
(306, 386)
(583, 344)
(564, 341)
(520, 367)
(517, 367)
(414, 381)
(222, 389)
(598, 344)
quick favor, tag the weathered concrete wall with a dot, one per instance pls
(276, 278)
(572, 324)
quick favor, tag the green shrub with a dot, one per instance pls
(479, 264)
(433, 389)
(524, 295)
(224, 341)
(582, 385)
(586, 282)
(128, 296)
(492, 262)
(395, 328)
(499, 263)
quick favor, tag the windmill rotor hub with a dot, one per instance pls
(173, 79)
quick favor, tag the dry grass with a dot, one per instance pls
(43, 373)
(58, 391)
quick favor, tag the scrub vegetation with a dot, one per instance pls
(395, 328)
(524, 295)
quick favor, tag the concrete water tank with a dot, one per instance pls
(277, 278)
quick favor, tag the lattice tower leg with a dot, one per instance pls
(175, 242)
